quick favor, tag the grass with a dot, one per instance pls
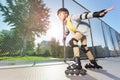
(25, 58)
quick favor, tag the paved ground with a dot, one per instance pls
(55, 71)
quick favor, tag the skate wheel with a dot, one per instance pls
(77, 72)
(99, 68)
(83, 72)
(69, 67)
(67, 72)
(72, 72)
(89, 66)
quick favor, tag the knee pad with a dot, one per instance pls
(84, 49)
(72, 44)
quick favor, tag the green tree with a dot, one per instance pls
(46, 53)
(1, 37)
(38, 49)
(55, 47)
(28, 18)
(9, 44)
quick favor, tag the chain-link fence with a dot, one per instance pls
(18, 40)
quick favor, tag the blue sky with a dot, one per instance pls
(112, 18)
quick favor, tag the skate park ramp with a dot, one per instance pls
(55, 71)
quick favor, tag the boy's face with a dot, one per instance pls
(62, 15)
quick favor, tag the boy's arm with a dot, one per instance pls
(66, 33)
(88, 15)
(102, 12)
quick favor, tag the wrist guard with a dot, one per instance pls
(97, 14)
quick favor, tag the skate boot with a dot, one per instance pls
(75, 69)
(93, 65)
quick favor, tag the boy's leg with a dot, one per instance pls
(74, 43)
(85, 48)
(88, 52)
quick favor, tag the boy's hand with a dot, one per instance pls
(109, 9)
(103, 12)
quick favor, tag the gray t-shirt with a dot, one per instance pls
(79, 24)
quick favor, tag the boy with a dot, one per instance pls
(80, 29)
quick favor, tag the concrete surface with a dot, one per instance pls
(55, 71)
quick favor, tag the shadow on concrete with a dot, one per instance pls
(110, 75)
(85, 77)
